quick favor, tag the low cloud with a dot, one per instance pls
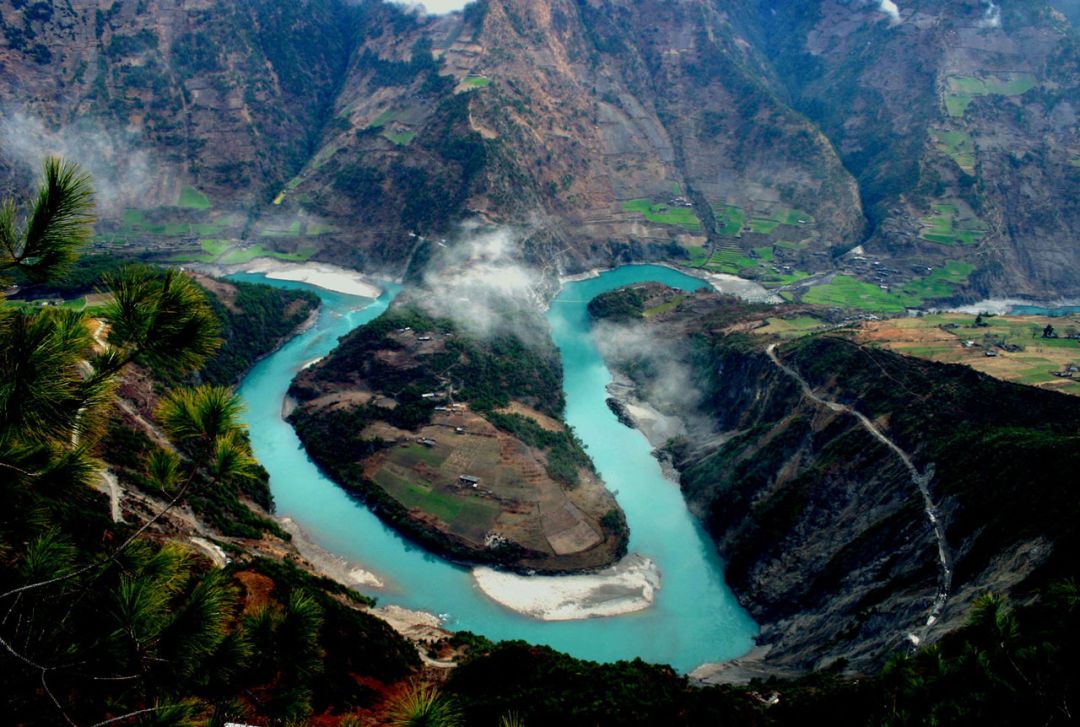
(991, 16)
(119, 167)
(666, 379)
(890, 8)
(483, 284)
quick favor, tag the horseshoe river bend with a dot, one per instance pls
(694, 618)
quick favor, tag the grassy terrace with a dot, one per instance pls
(664, 214)
(729, 220)
(790, 327)
(476, 82)
(845, 291)
(401, 138)
(958, 146)
(962, 90)
(193, 199)
(136, 221)
(947, 228)
(247, 254)
(222, 251)
(940, 337)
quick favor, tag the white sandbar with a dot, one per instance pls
(321, 275)
(628, 586)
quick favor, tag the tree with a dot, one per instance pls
(1048, 332)
(79, 613)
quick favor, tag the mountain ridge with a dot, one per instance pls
(750, 139)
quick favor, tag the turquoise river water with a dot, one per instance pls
(695, 618)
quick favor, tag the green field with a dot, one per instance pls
(135, 221)
(291, 231)
(940, 283)
(763, 226)
(193, 199)
(790, 327)
(729, 220)
(473, 516)
(665, 307)
(698, 256)
(415, 454)
(767, 223)
(320, 228)
(958, 146)
(401, 138)
(664, 214)
(730, 260)
(382, 119)
(212, 250)
(476, 82)
(774, 279)
(946, 228)
(962, 90)
(845, 291)
(246, 255)
(412, 495)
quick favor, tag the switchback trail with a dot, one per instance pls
(921, 480)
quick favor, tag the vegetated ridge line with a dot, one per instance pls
(921, 480)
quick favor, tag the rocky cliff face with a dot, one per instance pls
(952, 116)
(740, 137)
(229, 98)
(819, 498)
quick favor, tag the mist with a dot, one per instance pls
(890, 8)
(991, 16)
(434, 7)
(481, 282)
(121, 170)
(667, 381)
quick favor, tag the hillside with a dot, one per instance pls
(739, 137)
(815, 465)
(458, 441)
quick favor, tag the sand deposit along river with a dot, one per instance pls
(685, 613)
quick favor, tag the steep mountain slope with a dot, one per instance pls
(862, 500)
(957, 118)
(605, 137)
(738, 137)
(225, 97)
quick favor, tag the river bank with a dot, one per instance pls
(692, 619)
(748, 290)
(1006, 306)
(320, 275)
(628, 586)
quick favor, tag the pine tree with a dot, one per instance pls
(103, 630)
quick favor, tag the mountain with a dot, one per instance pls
(767, 139)
(862, 500)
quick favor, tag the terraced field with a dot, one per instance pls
(942, 337)
(664, 214)
(845, 291)
(958, 146)
(947, 227)
(962, 90)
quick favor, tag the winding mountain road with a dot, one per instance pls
(920, 479)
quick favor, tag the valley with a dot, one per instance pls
(363, 135)
(586, 362)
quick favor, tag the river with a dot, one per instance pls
(695, 618)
